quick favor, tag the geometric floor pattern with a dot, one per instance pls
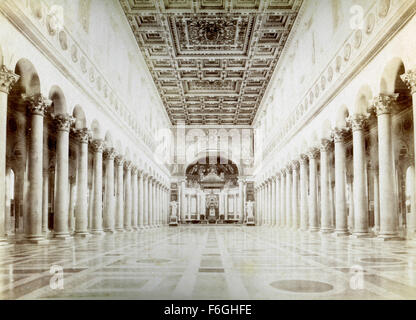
(210, 263)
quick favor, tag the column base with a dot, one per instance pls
(326, 231)
(341, 233)
(97, 232)
(361, 235)
(314, 230)
(62, 236)
(128, 229)
(33, 240)
(82, 234)
(120, 230)
(389, 237)
(4, 242)
(110, 231)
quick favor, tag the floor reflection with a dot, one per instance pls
(211, 262)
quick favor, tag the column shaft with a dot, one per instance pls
(313, 208)
(97, 215)
(326, 214)
(81, 207)
(109, 218)
(33, 220)
(341, 219)
(359, 184)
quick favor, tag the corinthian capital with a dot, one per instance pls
(358, 122)
(109, 154)
(82, 135)
(63, 122)
(37, 104)
(295, 165)
(7, 79)
(313, 153)
(409, 78)
(384, 104)
(303, 160)
(119, 160)
(97, 145)
(339, 134)
(326, 145)
(128, 165)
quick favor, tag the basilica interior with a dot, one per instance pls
(207, 149)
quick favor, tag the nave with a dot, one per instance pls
(210, 262)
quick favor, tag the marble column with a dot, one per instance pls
(376, 197)
(303, 192)
(119, 161)
(295, 196)
(97, 214)
(158, 204)
(73, 194)
(313, 155)
(45, 181)
(7, 80)
(389, 223)
(150, 203)
(155, 206)
(81, 207)
(241, 199)
(273, 208)
(109, 215)
(135, 197)
(341, 220)
(127, 197)
(278, 200)
(266, 203)
(45, 200)
(63, 124)
(145, 200)
(33, 221)
(289, 191)
(183, 200)
(326, 214)
(409, 78)
(283, 199)
(361, 225)
(411, 228)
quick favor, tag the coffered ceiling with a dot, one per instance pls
(211, 60)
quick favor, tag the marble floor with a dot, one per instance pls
(210, 262)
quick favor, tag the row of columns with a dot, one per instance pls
(141, 202)
(290, 198)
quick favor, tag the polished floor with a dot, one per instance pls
(210, 262)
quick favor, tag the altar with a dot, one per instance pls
(212, 194)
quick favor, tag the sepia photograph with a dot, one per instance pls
(206, 156)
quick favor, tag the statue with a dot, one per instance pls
(250, 216)
(173, 220)
(174, 207)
